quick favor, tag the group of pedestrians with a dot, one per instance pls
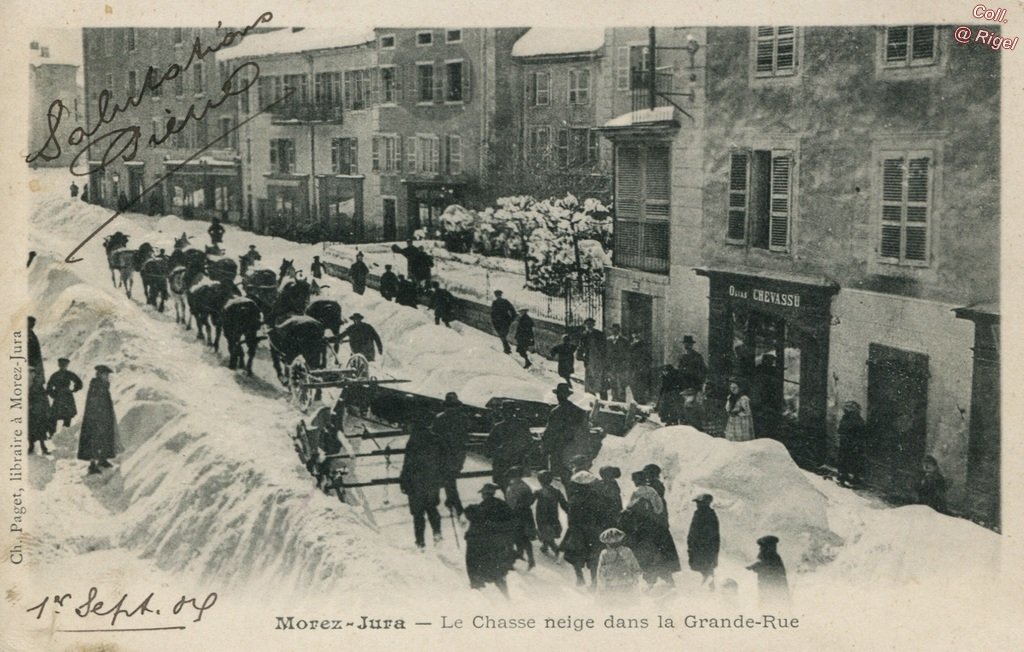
(99, 440)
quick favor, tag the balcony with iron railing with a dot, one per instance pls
(298, 112)
(650, 89)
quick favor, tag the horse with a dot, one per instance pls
(328, 313)
(287, 269)
(186, 269)
(241, 320)
(206, 299)
(295, 336)
(154, 274)
(121, 259)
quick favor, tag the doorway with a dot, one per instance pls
(390, 221)
(638, 317)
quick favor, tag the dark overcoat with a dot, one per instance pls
(490, 553)
(703, 540)
(99, 439)
(61, 388)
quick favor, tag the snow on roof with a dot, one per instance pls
(286, 41)
(645, 116)
(540, 41)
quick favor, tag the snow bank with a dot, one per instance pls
(757, 487)
(540, 41)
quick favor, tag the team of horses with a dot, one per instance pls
(204, 287)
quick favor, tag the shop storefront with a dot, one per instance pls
(772, 334)
(426, 202)
(341, 207)
(205, 189)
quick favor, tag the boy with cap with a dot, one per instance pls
(61, 388)
(703, 540)
(772, 587)
(99, 439)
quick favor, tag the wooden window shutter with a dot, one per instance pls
(657, 182)
(410, 154)
(739, 189)
(780, 201)
(892, 207)
(439, 82)
(627, 182)
(922, 48)
(398, 74)
(531, 88)
(353, 153)
(375, 156)
(436, 155)
(467, 81)
(918, 206)
(622, 67)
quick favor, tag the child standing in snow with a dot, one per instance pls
(617, 569)
(549, 527)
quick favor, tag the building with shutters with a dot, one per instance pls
(50, 79)
(118, 60)
(832, 232)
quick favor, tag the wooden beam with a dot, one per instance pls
(383, 481)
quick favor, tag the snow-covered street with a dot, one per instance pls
(210, 496)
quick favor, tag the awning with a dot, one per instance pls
(988, 310)
(658, 119)
(750, 273)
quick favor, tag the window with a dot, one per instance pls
(453, 158)
(579, 87)
(410, 154)
(298, 85)
(775, 51)
(44, 52)
(155, 86)
(327, 88)
(132, 83)
(388, 88)
(344, 156)
(429, 148)
(226, 127)
(201, 133)
(642, 193)
(906, 207)
(540, 141)
(541, 95)
(910, 46)
(630, 58)
(178, 138)
(179, 85)
(425, 82)
(387, 41)
(198, 77)
(453, 36)
(282, 156)
(358, 91)
(385, 153)
(760, 198)
(130, 36)
(453, 80)
(179, 36)
(424, 38)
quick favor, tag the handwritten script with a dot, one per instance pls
(123, 142)
(122, 607)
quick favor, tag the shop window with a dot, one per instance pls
(906, 207)
(775, 51)
(760, 199)
(642, 194)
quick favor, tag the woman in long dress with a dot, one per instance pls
(740, 424)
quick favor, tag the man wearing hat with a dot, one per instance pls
(362, 337)
(520, 499)
(452, 426)
(490, 552)
(421, 478)
(509, 443)
(692, 370)
(692, 412)
(250, 258)
(772, 586)
(852, 433)
(61, 388)
(99, 440)
(703, 540)
(388, 284)
(502, 316)
(524, 336)
(357, 273)
(591, 352)
(565, 423)
(317, 268)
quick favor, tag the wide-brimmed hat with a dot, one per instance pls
(688, 339)
(703, 498)
(356, 315)
(451, 398)
(489, 489)
(583, 477)
(851, 406)
(769, 540)
(562, 388)
(612, 535)
(63, 361)
(102, 368)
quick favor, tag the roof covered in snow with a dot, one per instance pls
(286, 41)
(644, 116)
(546, 41)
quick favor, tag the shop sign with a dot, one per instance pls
(771, 297)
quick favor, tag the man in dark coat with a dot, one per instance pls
(357, 274)
(520, 499)
(74, 189)
(61, 388)
(452, 427)
(565, 353)
(489, 541)
(591, 353)
(362, 337)
(418, 263)
(639, 378)
(421, 479)
(852, 441)
(443, 304)
(670, 402)
(617, 357)
(99, 440)
(216, 232)
(703, 540)
(692, 370)
(772, 586)
(388, 284)
(317, 268)
(40, 423)
(502, 316)
(35, 352)
(565, 423)
(406, 292)
(508, 444)
(524, 336)
(581, 545)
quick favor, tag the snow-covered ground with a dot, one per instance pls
(209, 495)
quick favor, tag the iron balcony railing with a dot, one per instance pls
(305, 112)
(647, 86)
